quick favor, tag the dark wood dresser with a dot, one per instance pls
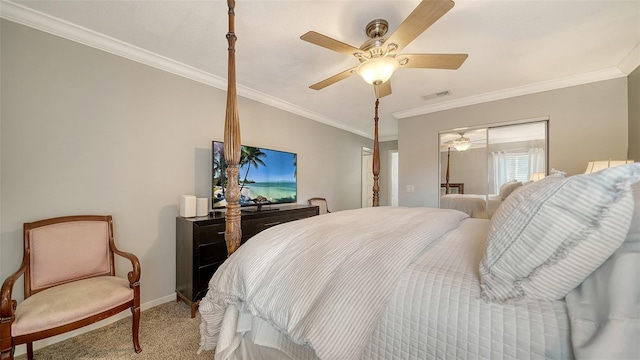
(200, 245)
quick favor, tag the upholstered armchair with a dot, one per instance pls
(321, 203)
(69, 282)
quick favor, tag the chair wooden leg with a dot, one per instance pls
(135, 328)
(6, 354)
(29, 351)
(6, 341)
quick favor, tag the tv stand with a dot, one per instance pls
(259, 209)
(201, 248)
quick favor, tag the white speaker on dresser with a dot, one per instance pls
(187, 205)
(202, 206)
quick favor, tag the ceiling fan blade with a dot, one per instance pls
(383, 89)
(423, 16)
(434, 61)
(334, 79)
(329, 43)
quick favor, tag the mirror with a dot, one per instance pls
(480, 167)
(463, 174)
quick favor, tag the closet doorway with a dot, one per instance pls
(367, 177)
(393, 177)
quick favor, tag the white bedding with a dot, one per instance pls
(324, 280)
(433, 309)
(476, 206)
(436, 311)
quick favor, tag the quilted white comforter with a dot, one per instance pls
(324, 280)
(476, 206)
(436, 311)
(428, 306)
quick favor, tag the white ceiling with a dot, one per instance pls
(515, 48)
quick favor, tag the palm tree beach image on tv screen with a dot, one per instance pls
(265, 177)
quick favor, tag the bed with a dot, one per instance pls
(434, 307)
(434, 283)
(474, 205)
(480, 206)
(423, 283)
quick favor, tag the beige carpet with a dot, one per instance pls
(167, 331)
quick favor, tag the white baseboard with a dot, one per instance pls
(22, 349)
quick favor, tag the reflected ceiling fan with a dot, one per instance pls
(460, 142)
(380, 56)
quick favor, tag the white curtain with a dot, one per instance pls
(537, 160)
(500, 173)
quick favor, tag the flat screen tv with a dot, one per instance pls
(265, 176)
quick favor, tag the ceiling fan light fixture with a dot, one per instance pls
(462, 143)
(377, 70)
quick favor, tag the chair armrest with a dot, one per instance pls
(7, 304)
(133, 276)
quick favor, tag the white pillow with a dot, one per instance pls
(633, 236)
(507, 188)
(603, 309)
(545, 242)
(507, 206)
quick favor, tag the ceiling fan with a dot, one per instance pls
(379, 56)
(460, 142)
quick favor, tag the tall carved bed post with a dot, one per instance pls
(233, 232)
(376, 160)
(446, 186)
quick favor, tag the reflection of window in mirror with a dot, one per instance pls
(517, 153)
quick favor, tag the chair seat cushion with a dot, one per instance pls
(64, 304)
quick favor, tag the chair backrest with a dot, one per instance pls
(66, 249)
(321, 203)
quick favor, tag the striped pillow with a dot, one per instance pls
(545, 242)
(508, 205)
(633, 236)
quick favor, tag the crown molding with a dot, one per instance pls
(388, 138)
(600, 75)
(631, 61)
(26, 16)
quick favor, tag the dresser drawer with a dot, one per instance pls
(211, 252)
(252, 227)
(210, 234)
(204, 275)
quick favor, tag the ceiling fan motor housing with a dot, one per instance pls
(377, 28)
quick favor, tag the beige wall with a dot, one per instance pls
(87, 132)
(634, 114)
(586, 122)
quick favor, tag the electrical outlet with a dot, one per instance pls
(410, 188)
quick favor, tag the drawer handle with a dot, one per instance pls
(272, 223)
(220, 232)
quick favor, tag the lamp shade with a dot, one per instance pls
(377, 70)
(595, 166)
(537, 176)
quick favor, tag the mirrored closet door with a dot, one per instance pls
(480, 167)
